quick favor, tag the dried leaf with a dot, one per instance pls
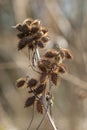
(30, 101)
(39, 107)
(32, 83)
(51, 53)
(54, 77)
(21, 82)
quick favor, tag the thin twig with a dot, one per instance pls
(37, 54)
(33, 60)
(31, 119)
(50, 89)
(48, 114)
(51, 121)
(42, 119)
(51, 110)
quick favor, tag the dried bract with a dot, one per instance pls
(39, 107)
(62, 68)
(51, 53)
(40, 89)
(42, 67)
(21, 82)
(54, 78)
(32, 83)
(30, 101)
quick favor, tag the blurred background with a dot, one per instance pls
(67, 24)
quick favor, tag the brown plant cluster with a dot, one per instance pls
(50, 66)
(31, 34)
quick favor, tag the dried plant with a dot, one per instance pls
(50, 67)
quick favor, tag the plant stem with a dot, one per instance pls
(48, 114)
(31, 119)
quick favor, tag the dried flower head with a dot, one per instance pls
(31, 34)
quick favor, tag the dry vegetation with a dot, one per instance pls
(67, 24)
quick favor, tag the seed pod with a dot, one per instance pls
(40, 89)
(59, 59)
(28, 21)
(42, 67)
(54, 77)
(18, 27)
(62, 54)
(25, 29)
(45, 38)
(20, 35)
(46, 63)
(32, 83)
(40, 44)
(68, 54)
(44, 30)
(23, 42)
(62, 68)
(36, 23)
(30, 101)
(21, 82)
(51, 53)
(34, 29)
(39, 106)
(38, 35)
(54, 67)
